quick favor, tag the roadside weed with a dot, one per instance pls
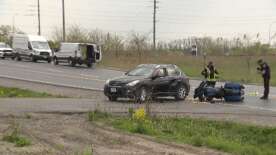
(15, 138)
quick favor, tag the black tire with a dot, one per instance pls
(142, 95)
(72, 62)
(112, 98)
(209, 99)
(49, 60)
(17, 57)
(33, 58)
(55, 60)
(89, 65)
(201, 99)
(181, 92)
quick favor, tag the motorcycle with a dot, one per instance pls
(205, 92)
(231, 92)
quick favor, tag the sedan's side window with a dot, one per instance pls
(172, 71)
(161, 72)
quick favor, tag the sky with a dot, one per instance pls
(175, 18)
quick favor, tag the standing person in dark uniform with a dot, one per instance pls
(264, 69)
(210, 73)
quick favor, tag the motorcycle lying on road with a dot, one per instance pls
(231, 92)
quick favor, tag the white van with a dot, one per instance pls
(78, 53)
(31, 47)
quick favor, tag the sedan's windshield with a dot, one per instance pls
(3, 45)
(40, 45)
(141, 71)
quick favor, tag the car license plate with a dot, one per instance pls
(113, 90)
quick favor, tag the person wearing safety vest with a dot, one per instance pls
(210, 74)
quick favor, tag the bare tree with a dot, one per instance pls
(77, 34)
(138, 43)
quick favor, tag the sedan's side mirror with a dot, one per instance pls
(154, 76)
(126, 73)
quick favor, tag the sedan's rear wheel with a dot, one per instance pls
(181, 93)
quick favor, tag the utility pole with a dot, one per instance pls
(38, 15)
(63, 22)
(154, 24)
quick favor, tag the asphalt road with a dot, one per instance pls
(21, 107)
(82, 77)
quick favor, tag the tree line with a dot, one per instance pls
(137, 43)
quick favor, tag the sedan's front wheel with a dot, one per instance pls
(141, 95)
(181, 93)
(112, 98)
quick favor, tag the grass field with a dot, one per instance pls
(18, 93)
(238, 139)
(231, 68)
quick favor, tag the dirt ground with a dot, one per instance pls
(60, 134)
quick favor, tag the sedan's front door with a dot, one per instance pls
(161, 82)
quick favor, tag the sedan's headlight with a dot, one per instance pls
(107, 82)
(133, 83)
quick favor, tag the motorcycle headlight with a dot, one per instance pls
(133, 83)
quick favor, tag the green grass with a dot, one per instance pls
(21, 93)
(87, 151)
(15, 138)
(238, 139)
(231, 68)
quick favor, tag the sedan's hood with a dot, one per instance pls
(127, 79)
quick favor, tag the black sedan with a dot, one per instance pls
(149, 81)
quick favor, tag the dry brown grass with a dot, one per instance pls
(231, 68)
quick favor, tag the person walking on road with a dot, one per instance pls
(264, 69)
(210, 73)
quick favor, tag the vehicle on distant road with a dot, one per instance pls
(149, 81)
(31, 47)
(78, 53)
(6, 51)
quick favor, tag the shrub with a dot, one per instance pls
(15, 138)
(139, 115)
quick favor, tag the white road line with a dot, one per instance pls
(22, 66)
(65, 76)
(86, 75)
(254, 107)
(55, 70)
(50, 83)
